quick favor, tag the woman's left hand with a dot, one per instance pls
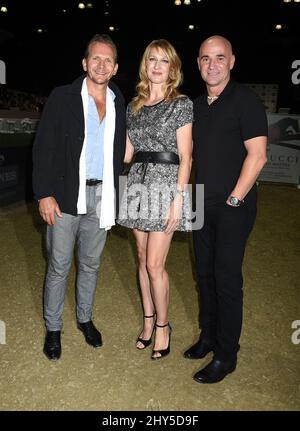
(174, 214)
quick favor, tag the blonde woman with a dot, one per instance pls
(159, 143)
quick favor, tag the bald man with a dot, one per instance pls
(230, 137)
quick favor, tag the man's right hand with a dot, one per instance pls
(48, 207)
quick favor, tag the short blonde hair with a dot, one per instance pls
(175, 74)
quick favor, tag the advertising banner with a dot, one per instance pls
(283, 150)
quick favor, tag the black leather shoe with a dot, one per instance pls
(198, 350)
(52, 346)
(215, 371)
(91, 334)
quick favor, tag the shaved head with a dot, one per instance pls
(215, 62)
(212, 39)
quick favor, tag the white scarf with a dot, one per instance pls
(107, 213)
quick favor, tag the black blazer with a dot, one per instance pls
(58, 144)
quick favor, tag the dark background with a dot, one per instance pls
(37, 62)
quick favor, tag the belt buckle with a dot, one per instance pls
(93, 182)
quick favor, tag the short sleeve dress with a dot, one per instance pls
(150, 190)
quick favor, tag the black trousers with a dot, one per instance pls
(219, 251)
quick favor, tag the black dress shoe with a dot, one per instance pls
(198, 350)
(91, 334)
(52, 346)
(215, 371)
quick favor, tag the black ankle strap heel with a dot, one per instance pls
(146, 343)
(163, 326)
(163, 352)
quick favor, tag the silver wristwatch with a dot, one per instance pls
(235, 202)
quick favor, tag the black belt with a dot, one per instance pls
(146, 157)
(93, 182)
(156, 157)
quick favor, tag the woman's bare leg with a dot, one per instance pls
(158, 246)
(148, 306)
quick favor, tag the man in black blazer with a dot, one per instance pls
(77, 159)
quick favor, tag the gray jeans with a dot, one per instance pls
(61, 238)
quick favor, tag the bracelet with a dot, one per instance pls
(181, 192)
